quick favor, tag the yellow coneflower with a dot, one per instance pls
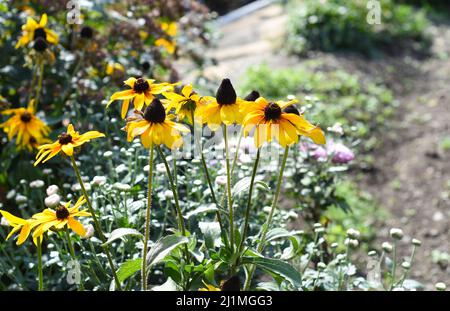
(154, 127)
(33, 30)
(17, 223)
(60, 217)
(66, 142)
(170, 28)
(112, 68)
(169, 45)
(25, 125)
(184, 103)
(272, 122)
(225, 108)
(142, 91)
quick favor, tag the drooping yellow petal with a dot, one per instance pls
(76, 226)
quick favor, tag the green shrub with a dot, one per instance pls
(342, 25)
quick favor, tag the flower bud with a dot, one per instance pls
(387, 247)
(168, 194)
(416, 242)
(221, 180)
(440, 286)
(99, 180)
(52, 200)
(321, 266)
(342, 154)
(353, 233)
(396, 233)
(121, 186)
(372, 253)
(4, 222)
(161, 168)
(352, 243)
(52, 189)
(21, 199)
(89, 231)
(406, 265)
(37, 183)
(107, 154)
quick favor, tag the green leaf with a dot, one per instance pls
(279, 233)
(204, 208)
(163, 247)
(244, 184)
(129, 268)
(120, 233)
(277, 267)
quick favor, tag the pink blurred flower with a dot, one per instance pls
(320, 154)
(341, 154)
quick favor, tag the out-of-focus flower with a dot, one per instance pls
(52, 189)
(20, 199)
(4, 222)
(37, 184)
(24, 124)
(99, 180)
(396, 233)
(342, 154)
(221, 180)
(33, 30)
(168, 194)
(320, 154)
(112, 68)
(184, 103)
(121, 186)
(387, 247)
(336, 128)
(89, 231)
(24, 225)
(52, 200)
(169, 45)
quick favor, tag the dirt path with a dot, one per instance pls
(412, 174)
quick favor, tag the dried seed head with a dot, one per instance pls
(272, 111)
(64, 139)
(25, 117)
(40, 44)
(62, 212)
(39, 33)
(87, 32)
(226, 95)
(254, 95)
(292, 109)
(155, 112)
(141, 85)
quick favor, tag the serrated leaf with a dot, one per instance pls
(277, 267)
(120, 233)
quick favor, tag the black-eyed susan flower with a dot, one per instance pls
(224, 108)
(142, 91)
(170, 29)
(112, 68)
(33, 30)
(66, 142)
(271, 122)
(25, 126)
(18, 224)
(184, 103)
(59, 218)
(154, 127)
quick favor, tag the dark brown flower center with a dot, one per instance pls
(33, 140)
(272, 111)
(254, 95)
(141, 85)
(292, 109)
(155, 112)
(62, 212)
(64, 138)
(226, 95)
(145, 66)
(39, 33)
(86, 32)
(25, 117)
(40, 44)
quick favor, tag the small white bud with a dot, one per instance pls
(160, 168)
(146, 168)
(334, 245)
(89, 231)
(317, 225)
(47, 171)
(121, 186)
(372, 253)
(99, 180)
(107, 154)
(168, 194)
(319, 230)
(52, 189)
(387, 247)
(353, 233)
(52, 200)
(406, 265)
(221, 180)
(4, 222)
(416, 242)
(440, 286)
(21, 199)
(396, 233)
(11, 194)
(321, 266)
(266, 209)
(37, 183)
(352, 243)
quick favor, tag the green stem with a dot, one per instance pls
(248, 208)
(174, 191)
(147, 221)
(39, 86)
(40, 274)
(206, 172)
(411, 259)
(266, 226)
(394, 264)
(96, 223)
(230, 199)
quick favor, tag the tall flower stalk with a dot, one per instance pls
(40, 273)
(98, 228)
(147, 220)
(230, 199)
